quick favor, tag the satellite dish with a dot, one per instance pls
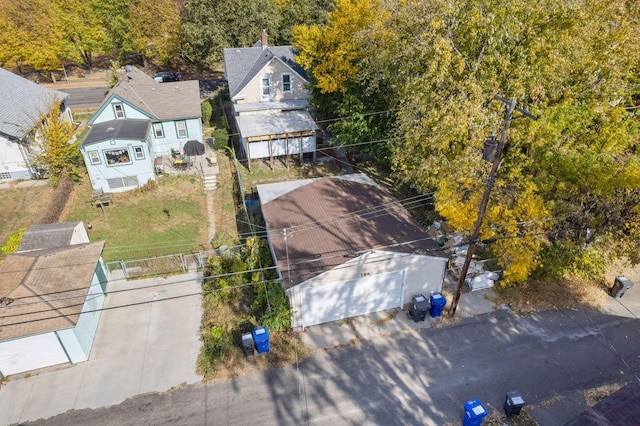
(128, 68)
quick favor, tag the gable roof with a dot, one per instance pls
(160, 101)
(241, 65)
(331, 219)
(22, 102)
(48, 235)
(48, 288)
(129, 129)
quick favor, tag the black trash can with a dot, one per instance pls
(247, 344)
(620, 286)
(513, 403)
(419, 308)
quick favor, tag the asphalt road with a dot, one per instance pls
(85, 97)
(415, 377)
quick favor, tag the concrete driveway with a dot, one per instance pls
(139, 348)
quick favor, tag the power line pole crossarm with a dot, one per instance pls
(511, 107)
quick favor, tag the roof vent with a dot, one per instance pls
(128, 68)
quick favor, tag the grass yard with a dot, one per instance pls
(225, 202)
(22, 207)
(261, 172)
(167, 218)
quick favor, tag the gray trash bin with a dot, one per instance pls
(620, 286)
(513, 403)
(247, 344)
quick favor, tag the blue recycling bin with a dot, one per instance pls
(261, 338)
(474, 412)
(437, 304)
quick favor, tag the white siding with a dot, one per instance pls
(423, 275)
(108, 113)
(31, 353)
(345, 299)
(130, 175)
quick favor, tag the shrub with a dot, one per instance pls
(13, 242)
(207, 112)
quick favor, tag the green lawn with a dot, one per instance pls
(147, 222)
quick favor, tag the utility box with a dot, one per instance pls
(620, 286)
(247, 344)
(513, 403)
(261, 337)
(474, 412)
(437, 301)
(419, 308)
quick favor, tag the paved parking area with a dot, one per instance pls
(147, 341)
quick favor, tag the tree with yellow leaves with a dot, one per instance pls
(568, 185)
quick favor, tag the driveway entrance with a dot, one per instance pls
(147, 341)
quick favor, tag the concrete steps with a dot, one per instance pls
(209, 182)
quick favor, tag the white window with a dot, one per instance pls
(181, 129)
(138, 152)
(118, 109)
(94, 157)
(266, 87)
(286, 82)
(117, 156)
(157, 130)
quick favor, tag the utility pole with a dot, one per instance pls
(511, 107)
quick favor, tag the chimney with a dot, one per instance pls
(265, 39)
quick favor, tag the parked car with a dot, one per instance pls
(163, 77)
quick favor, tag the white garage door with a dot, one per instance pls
(335, 301)
(30, 353)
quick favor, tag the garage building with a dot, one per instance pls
(344, 247)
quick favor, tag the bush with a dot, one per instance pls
(13, 242)
(207, 112)
(221, 138)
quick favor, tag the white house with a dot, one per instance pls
(140, 120)
(270, 101)
(50, 298)
(22, 103)
(345, 247)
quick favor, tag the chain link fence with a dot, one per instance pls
(162, 265)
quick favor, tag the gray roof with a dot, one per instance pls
(130, 129)
(332, 218)
(275, 123)
(46, 236)
(22, 102)
(241, 65)
(162, 101)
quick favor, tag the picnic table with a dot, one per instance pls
(182, 162)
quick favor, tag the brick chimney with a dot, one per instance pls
(265, 39)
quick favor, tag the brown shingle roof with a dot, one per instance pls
(35, 279)
(331, 219)
(164, 101)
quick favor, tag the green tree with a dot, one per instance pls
(567, 181)
(58, 151)
(209, 26)
(154, 29)
(346, 67)
(84, 30)
(569, 174)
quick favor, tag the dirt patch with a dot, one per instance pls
(536, 296)
(595, 395)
